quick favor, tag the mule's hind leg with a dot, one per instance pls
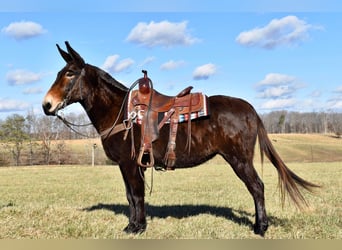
(247, 173)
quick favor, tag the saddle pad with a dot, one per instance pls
(201, 109)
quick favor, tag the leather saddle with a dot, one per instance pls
(152, 110)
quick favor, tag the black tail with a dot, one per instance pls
(289, 182)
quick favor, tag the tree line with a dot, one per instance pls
(41, 140)
(297, 122)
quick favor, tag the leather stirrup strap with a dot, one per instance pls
(170, 156)
(188, 141)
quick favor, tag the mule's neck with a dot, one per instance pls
(105, 98)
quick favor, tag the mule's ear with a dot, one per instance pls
(75, 56)
(67, 58)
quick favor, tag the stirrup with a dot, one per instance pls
(143, 152)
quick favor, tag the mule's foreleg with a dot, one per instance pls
(135, 192)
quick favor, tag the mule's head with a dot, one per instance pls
(67, 87)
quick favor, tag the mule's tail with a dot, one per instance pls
(289, 182)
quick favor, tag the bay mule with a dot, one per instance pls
(231, 131)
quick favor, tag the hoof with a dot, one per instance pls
(260, 229)
(135, 229)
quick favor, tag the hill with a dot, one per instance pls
(303, 148)
(291, 147)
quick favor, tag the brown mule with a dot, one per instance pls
(230, 131)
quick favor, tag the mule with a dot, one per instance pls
(231, 131)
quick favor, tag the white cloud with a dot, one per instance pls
(204, 72)
(288, 30)
(7, 105)
(335, 102)
(276, 79)
(172, 65)
(22, 76)
(163, 33)
(336, 105)
(339, 89)
(315, 94)
(112, 64)
(148, 60)
(279, 103)
(278, 91)
(276, 85)
(35, 90)
(23, 30)
(123, 65)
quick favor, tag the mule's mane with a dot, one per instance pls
(107, 78)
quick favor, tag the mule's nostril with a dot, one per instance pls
(47, 106)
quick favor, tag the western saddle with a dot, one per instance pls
(152, 110)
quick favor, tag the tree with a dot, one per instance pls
(48, 133)
(32, 131)
(336, 124)
(14, 135)
(281, 123)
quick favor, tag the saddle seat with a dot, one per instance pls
(160, 102)
(154, 109)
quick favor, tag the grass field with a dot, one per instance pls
(207, 202)
(200, 203)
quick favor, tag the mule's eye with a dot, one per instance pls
(70, 73)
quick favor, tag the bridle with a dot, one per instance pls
(117, 127)
(77, 78)
(67, 98)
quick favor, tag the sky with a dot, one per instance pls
(277, 56)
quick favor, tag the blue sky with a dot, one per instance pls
(284, 56)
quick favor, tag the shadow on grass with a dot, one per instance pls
(10, 204)
(183, 211)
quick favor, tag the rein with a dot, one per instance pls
(71, 125)
(126, 123)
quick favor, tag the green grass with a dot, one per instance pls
(199, 203)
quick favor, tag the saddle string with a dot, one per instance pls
(142, 176)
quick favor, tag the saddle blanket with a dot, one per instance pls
(138, 111)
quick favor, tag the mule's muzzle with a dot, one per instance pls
(47, 108)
